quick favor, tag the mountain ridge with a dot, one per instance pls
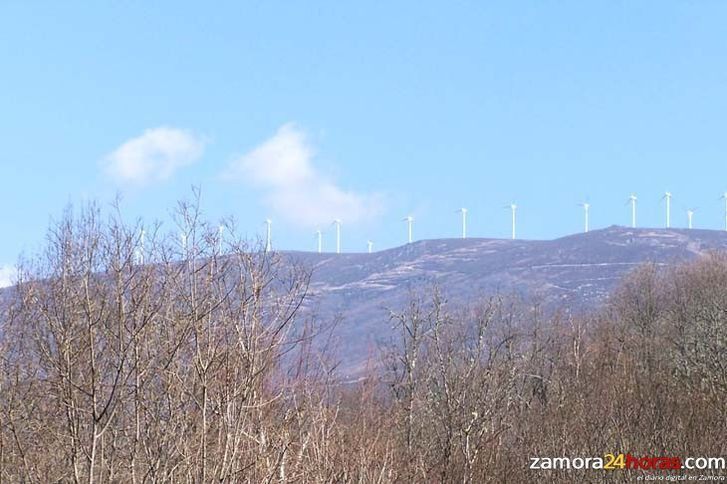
(576, 271)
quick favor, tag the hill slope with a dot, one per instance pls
(579, 271)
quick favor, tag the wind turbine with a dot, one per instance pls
(140, 250)
(370, 245)
(632, 200)
(319, 236)
(183, 239)
(724, 197)
(337, 224)
(269, 235)
(222, 236)
(513, 208)
(690, 216)
(667, 197)
(463, 211)
(586, 207)
(409, 221)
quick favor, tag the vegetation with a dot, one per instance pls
(199, 366)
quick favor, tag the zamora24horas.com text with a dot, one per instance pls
(628, 461)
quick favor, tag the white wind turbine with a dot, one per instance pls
(222, 237)
(586, 209)
(724, 197)
(667, 196)
(337, 224)
(370, 245)
(690, 217)
(319, 236)
(632, 200)
(140, 253)
(409, 222)
(463, 211)
(513, 209)
(268, 235)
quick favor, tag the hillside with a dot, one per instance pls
(578, 271)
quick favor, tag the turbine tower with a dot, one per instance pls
(141, 247)
(463, 211)
(667, 197)
(513, 208)
(409, 221)
(724, 197)
(632, 200)
(370, 245)
(586, 208)
(337, 224)
(690, 216)
(222, 237)
(269, 235)
(319, 236)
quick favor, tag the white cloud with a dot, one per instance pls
(154, 156)
(295, 189)
(7, 276)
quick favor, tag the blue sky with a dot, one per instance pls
(373, 111)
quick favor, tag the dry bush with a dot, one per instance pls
(137, 358)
